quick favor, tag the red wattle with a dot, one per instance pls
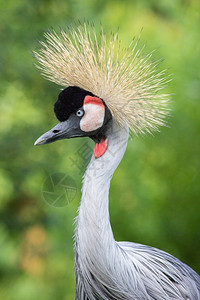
(100, 149)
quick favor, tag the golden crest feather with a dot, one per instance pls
(126, 79)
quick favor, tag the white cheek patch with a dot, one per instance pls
(94, 115)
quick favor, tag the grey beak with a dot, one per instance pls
(56, 133)
(63, 130)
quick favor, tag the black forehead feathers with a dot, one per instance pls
(69, 101)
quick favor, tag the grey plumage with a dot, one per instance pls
(106, 269)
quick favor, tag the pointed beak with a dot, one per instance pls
(63, 130)
(52, 135)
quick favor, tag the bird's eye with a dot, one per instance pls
(80, 112)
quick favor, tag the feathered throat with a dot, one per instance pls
(127, 80)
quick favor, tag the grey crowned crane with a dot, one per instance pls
(107, 91)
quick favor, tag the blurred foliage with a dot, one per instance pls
(156, 188)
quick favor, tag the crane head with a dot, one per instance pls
(81, 114)
(101, 81)
(127, 79)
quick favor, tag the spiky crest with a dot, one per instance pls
(126, 79)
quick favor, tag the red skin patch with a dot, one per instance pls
(94, 114)
(93, 100)
(100, 149)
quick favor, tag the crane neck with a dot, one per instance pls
(93, 231)
(102, 168)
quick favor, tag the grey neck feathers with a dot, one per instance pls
(109, 270)
(94, 238)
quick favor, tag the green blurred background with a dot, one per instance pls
(155, 191)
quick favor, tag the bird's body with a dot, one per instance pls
(103, 99)
(106, 269)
